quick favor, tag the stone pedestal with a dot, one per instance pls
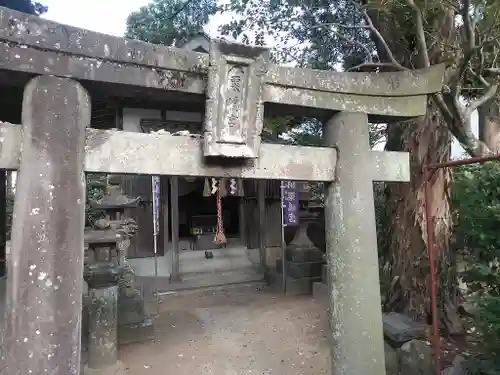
(103, 323)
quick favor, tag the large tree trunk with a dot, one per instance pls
(406, 265)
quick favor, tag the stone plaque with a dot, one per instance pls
(234, 107)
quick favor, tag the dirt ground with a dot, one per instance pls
(236, 330)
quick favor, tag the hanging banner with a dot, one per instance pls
(155, 183)
(290, 203)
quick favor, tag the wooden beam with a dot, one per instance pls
(120, 152)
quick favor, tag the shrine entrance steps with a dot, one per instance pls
(234, 265)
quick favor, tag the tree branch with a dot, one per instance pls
(469, 26)
(420, 31)
(488, 95)
(379, 36)
(443, 107)
(356, 43)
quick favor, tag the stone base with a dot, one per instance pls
(131, 308)
(324, 273)
(117, 369)
(320, 292)
(132, 333)
(296, 287)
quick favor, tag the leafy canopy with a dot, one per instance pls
(464, 35)
(170, 22)
(25, 6)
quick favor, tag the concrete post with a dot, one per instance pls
(103, 322)
(45, 279)
(353, 275)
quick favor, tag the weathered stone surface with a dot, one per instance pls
(24, 29)
(457, 367)
(376, 105)
(320, 292)
(234, 112)
(299, 270)
(36, 61)
(103, 323)
(416, 358)
(316, 232)
(399, 328)
(392, 365)
(294, 253)
(353, 272)
(324, 273)
(117, 369)
(46, 259)
(297, 287)
(130, 302)
(409, 83)
(131, 333)
(115, 199)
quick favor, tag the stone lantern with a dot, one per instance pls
(114, 308)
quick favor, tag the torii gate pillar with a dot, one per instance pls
(355, 315)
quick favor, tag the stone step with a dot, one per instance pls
(200, 280)
(194, 262)
(211, 279)
(133, 333)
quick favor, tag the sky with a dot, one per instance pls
(105, 16)
(110, 16)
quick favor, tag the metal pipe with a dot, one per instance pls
(436, 341)
(456, 163)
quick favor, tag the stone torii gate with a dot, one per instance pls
(54, 147)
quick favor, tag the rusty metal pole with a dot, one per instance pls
(431, 249)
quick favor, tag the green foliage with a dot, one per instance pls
(170, 22)
(488, 324)
(96, 187)
(305, 31)
(25, 6)
(476, 202)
